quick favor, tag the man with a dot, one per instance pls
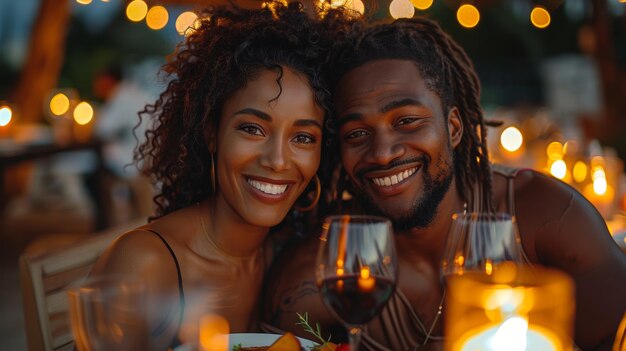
(412, 141)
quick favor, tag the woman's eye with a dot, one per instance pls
(304, 139)
(251, 129)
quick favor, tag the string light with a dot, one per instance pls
(185, 22)
(468, 16)
(5, 115)
(511, 139)
(157, 17)
(401, 9)
(540, 17)
(83, 113)
(136, 10)
(59, 104)
(422, 4)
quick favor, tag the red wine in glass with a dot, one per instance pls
(354, 299)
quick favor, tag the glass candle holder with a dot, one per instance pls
(515, 309)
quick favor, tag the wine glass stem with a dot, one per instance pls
(354, 336)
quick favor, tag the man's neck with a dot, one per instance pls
(429, 242)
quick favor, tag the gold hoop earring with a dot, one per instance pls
(318, 192)
(212, 174)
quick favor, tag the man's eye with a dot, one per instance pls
(251, 129)
(356, 134)
(406, 120)
(304, 139)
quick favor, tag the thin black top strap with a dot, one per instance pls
(161, 328)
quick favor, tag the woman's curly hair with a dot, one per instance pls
(230, 47)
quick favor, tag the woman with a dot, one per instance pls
(237, 140)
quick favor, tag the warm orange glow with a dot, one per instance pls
(558, 169)
(580, 171)
(136, 10)
(185, 22)
(555, 151)
(468, 16)
(214, 331)
(511, 139)
(600, 186)
(340, 271)
(365, 281)
(401, 9)
(356, 5)
(540, 17)
(5, 115)
(488, 267)
(459, 260)
(83, 113)
(84, 2)
(157, 17)
(59, 104)
(422, 4)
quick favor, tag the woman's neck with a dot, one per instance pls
(228, 232)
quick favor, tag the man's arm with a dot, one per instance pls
(561, 229)
(290, 289)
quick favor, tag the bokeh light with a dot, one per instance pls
(555, 151)
(540, 17)
(401, 9)
(5, 115)
(185, 22)
(356, 5)
(600, 186)
(136, 10)
(511, 139)
(468, 16)
(157, 17)
(59, 104)
(558, 169)
(84, 2)
(580, 171)
(422, 4)
(83, 113)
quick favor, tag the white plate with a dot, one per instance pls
(251, 339)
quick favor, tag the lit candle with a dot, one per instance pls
(516, 309)
(514, 334)
(365, 281)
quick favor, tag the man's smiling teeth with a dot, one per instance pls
(394, 179)
(268, 188)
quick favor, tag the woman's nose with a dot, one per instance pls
(276, 155)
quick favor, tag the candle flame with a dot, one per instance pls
(511, 335)
(365, 281)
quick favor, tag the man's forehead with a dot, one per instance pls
(380, 78)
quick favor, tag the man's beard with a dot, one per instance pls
(424, 209)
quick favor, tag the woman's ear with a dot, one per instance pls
(209, 139)
(455, 127)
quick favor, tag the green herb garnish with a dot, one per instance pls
(303, 321)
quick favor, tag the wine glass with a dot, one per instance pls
(481, 242)
(108, 313)
(356, 269)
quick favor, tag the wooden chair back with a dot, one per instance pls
(45, 277)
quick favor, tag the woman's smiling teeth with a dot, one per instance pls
(272, 189)
(394, 179)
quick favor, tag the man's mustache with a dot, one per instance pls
(360, 174)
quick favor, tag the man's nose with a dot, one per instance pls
(384, 149)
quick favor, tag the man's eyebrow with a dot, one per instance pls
(255, 112)
(349, 118)
(306, 123)
(400, 103)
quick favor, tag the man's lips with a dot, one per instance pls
(394, 178)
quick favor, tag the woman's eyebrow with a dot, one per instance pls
(254, 112)
(305, 122)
